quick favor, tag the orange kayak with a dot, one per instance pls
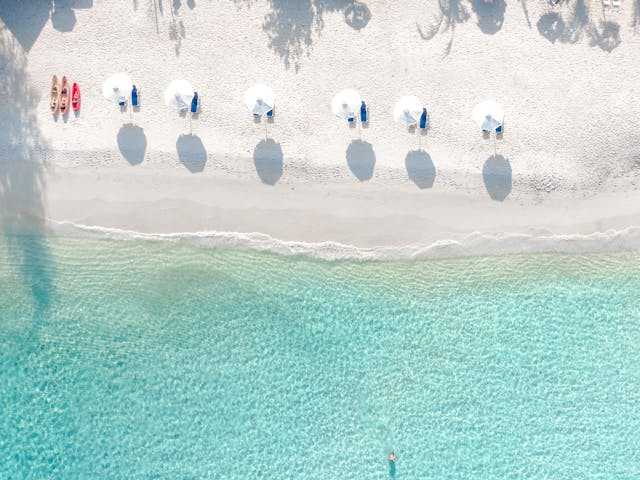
(64, 95)
(55, 94)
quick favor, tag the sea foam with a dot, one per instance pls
(473, 244)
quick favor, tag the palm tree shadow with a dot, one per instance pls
(490, 15)
(23, 154)
(605, 35)
(451, 13)
(291, 25)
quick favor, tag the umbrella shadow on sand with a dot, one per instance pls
(268, 159)
(361, 159)
(191, 152)
(132, 143)
(497, 177)
(420, 168)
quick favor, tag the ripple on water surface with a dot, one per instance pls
(160, 360)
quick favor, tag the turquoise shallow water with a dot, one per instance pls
(157, 360)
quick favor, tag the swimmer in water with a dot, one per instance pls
(392, 457)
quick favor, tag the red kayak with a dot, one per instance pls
(75, 97)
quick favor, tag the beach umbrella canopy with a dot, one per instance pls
(179, 94)
(346, 103)
(117, 87)
(407, 110)
(259, 99)
(488, 115)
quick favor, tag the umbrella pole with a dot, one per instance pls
(190, 126)
(266, 131)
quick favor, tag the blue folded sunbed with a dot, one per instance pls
(423, 119)
(363, 112)
(134, 96)
(194, 103)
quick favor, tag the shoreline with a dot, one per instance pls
(322, 212)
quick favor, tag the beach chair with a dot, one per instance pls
(351, 119)
(194, 103)
(615, 4)
(363, 112)
(134, 96)
(499, 129)
(424, 121)
(606, 3)
(270, 113)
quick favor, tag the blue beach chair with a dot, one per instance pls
(499, 129)
(134, 96)
(270, 113)
(423, 119)
(194, 103)
(363, 112)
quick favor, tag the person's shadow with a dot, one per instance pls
(497, 177)
(191, 152)
(268, 160)
(420, 168)
(361, 159)
(132, 143)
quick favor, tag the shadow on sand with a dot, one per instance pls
(420, 168)
(132, 143)
(604, 35)
(191, 152)
(22, 181)
(361, 159)
(290, 24)
(268, 159)
(497, 177)
(26, 18)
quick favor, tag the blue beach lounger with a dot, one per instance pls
(423, 119)
(363, 112)
(194, 103)
(270, 113)
(499, 130)
(134, 96)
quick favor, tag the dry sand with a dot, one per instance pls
(564, 176)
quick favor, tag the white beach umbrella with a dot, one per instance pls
(407, 110)
(179, 94)
(346, 103)
(117, 87)
(488, 115)
(259, 99)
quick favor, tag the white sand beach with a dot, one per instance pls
(565, 174)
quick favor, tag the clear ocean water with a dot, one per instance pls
(160, 360)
